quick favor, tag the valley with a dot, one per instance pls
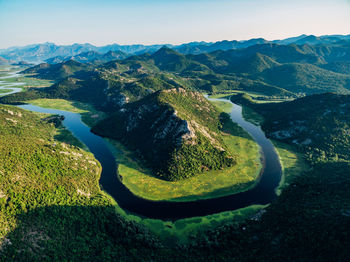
(183, 153)
(112, 185)
(77, 131)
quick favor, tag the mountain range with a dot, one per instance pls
(267, 69)
(37, 53)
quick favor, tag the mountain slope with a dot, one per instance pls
(175, 131)
(169, 60)
(318, 124)
(253, 64)
(50, 196)
(306, 78)
(342, 67)
(56, 71)
(267, 69)
(89, 57)
(4, 61)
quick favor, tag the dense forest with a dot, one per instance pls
(317, 124)
(180, 133)
(51, 206)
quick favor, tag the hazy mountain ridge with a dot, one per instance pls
(89, 57)
(267, 69)
(4, 61)
(40, 52)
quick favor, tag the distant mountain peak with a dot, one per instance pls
(164, 50)
(40, 52)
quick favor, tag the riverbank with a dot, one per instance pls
(181, 230)
(185, 228)
(12, 77)
(175, 210)
(292, 161)
(210, 184)
(89, 115)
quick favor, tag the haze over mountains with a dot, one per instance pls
(108, 81)
(37, 53)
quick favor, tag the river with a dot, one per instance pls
(263, 193)
(10, 85)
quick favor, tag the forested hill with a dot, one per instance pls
(89, 57)
(176, 132)
(54, 53)
(57, 71)
(51, 205)
(318, 124)
(267, 69)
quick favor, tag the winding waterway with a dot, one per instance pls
(9, 85)
(262, 193)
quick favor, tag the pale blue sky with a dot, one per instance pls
(101, 22)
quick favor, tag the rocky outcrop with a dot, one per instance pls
(170, 129)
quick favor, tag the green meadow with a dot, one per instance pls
(5, 90)
(89, 114)
(27, 81)
(207, 185)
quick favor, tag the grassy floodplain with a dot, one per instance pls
(4, 91)
(248, 113)
(89, 114)
(181, 231)
(258, 97)
(293, 164)
(27, 81)
(184, 229)
(211, 184)
(292, 161)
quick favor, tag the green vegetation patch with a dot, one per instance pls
(318, 125)
(293, 164)
(211, 184)
(51, 206)
(223, 106)
(251, 116)
(175, 132)
(4, 90)
(89, 114)
(28, 81)
(184, 231)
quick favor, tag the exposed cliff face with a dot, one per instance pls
(174, 131)
(165, 126)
